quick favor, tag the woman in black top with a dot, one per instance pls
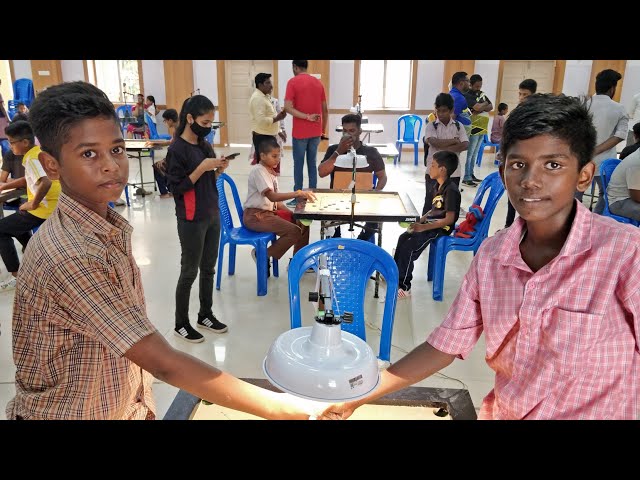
(192, 170)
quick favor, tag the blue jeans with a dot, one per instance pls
(472, 153)
(300, 147)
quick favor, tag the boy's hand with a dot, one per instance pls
(309, 196)
(337, 411)
(2, 184)
(209, 164)
(283, 136)
(418, 227)
(25, 207)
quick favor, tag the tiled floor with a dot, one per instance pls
(254, 322)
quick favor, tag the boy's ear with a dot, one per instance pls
(585, 176)
(50, 165)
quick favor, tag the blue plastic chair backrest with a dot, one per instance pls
(410, 121)
(23, 91)
(4, 146)
(351, 263)
(153, 129)
(493, 184)
(124, 111)
(223, 203)
(606, 170)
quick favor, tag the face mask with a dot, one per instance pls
(199, 130)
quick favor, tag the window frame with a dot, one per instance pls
(412, 88)
(118, 102)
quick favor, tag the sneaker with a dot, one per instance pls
(8, 285)
(292, 203)
(469, 183)
(475, 179)
(189, 334)
(255, 260)
(211, 323)
(403, 293)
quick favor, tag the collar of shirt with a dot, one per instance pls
(578, 240)
(90, 222)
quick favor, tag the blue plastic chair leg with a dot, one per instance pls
(438, 274)
(274, 266)
(433, 251)
(261, 258)
(112, 205)
(480, 155)
(220, 263)
(126, 194)
(397, 158)
(232, 258)
(415, 154)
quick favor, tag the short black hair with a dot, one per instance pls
(152, 99)
(457, 77)
(267, 145)
(59, 108)
(20, 130)
(261, 78)
(502, 107)
(20, 117)
(475, 78)
(170, 114)
(448, 160)
(21, 104)
(529, 84)
(563, 117)
(352, 118)
(606, 80)
(304, 64)
(444, 100)
(636, 129)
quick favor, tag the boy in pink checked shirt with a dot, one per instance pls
(557, 294)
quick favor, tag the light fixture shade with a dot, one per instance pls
(346, 161)
(322, 363)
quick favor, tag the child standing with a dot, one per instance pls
(442, 207)
(83, 345)
(498, 123)
(264, 210)
(553, 295)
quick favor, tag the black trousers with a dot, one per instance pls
(19, 226)
(408, 249)
(199, 242)
(365, 234)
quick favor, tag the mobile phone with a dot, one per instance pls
(231, 156)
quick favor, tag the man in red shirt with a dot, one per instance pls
(305, 99)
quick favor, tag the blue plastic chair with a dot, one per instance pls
(606, 169)
(484, 144)
(241, 236)
(351, 263)
(126, 195)
(409, 135)
(12, 108)
(124, 111)
(153, 129)
(23, 91)
(4, 146)
(439, 249)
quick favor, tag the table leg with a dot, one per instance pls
(375, 293)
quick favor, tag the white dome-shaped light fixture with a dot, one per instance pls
(322, 362)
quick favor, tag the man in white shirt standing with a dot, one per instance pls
(611, 122)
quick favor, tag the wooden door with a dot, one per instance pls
(514, 71)
(178, 79)
(453, 66)
(45, 74)
(598, 65)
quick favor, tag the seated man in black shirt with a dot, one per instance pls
(351, 126)
(442, 204)
(629, 149)
(12, 165)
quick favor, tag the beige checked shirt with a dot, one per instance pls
(78, 307)
(563, 341)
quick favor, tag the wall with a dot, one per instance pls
(429, 83)
(153, 78)
(576, 77)
(340, 84)
(631, 84)
(22, 69)
(72, 70)
(7, 82)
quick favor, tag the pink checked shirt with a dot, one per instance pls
(564, 341)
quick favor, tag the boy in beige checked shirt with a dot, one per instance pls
(82, 343)
(557, 294)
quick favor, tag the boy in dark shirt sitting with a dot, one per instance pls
(440, 213)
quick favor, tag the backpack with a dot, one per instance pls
(426, 145)
(468, 227)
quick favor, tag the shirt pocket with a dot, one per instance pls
(569, 338)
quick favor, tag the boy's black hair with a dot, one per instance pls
(529, 84)
(267, 145)
(20, 104)
(560, 116)
(606, 80)
(636, 129)
(261, 78)
(444, 100)
(448, 160)
(352, 118)
(59, 108)
(304, 64)
(475, 78)
(20, 117)
(19, 130)
(502, 107)
(170, 114)
(456, 77)
(197, 106)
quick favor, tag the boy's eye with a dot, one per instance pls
(553, 165)
(118, 150)
(517, 165)
(89, 154)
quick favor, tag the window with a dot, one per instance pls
(118, 78)
(385, 84)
